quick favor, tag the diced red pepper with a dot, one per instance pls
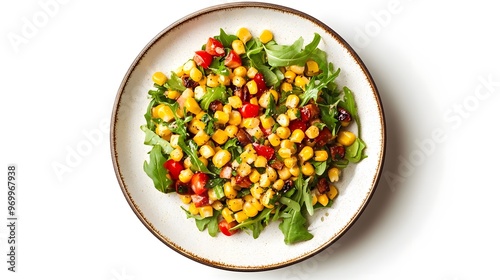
(297, 124)
(202, 58)
(261, 83)
(225, 227)
(249, 110)
(200, 199)
(174, 168)
(214, 47)
(263, 150)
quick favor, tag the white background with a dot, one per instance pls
(434, 214)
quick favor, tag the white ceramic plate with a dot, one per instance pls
(161, 213)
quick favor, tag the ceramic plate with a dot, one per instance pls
(161, 213)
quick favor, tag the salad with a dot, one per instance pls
(248, 132)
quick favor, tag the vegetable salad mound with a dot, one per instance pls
(249, 132)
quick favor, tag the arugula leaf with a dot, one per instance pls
(294, 228)
(210, 223)
(226, 39)
(350, 105)
(217, 66)
(286, 55)
(153, 139)
(355, 152)
(155, 170)
(216, 93)
(191, 149)
(314, 88)
(257, 223)
(175, 83)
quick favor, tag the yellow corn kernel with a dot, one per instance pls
(240, 71)
(274, 139)
(320, 155)
(271, 174)
(249, 148)
(200, 115)
(195, 126)
(244, 34)
(257, 204)
(344, 123)
(227, 109)
(299, 70)
(323, 199)
(297, 136)
(287, 144)
(333, 174)
(185, 175)
(195, 74)
(333, 192)
(267, 198)
(284, 153)
(206, 211)
(229, 191)
(295, 171)
(163, 112)
(292, 101)
(312, 68)
(220, 136)
(231, 130)
(251, 72)
(284, 173)
(290, 162)
(207, 151)
(224, 80)
(173, 94)
(221, 158)
(252, 87)
(193, 209)
(222, 117)
(238, 81)
(185, 198)
(275, 94)
(264, 181)
(203, 160)
(266, 36)
(190, 64)
(174, 141)
(260, 161)
(227, 214)
(177, 154)
(283, 132)
(235, 204)
(250, 123)
(301, 81)
(283, 120)
(250, 210)
(179, 71)
(264, 99)
(240, 216)
(234, 118)
(312, 132)
(238, 46)
(187, 163)
(254, 176)
(159, 78)
(163, 131)
(201, 138)
(244, 169)
(212, 80)
(346, 138)
(267, 121)
(306, 153)
(235, 102)
(254, 101)
(293, 113)
(249, 157)
(199, 92)
(203, 81)
(192, 106)
(217, 205)
(290, 76)
(278, 185)
(248, 198)
(307, 169)
(314, 199)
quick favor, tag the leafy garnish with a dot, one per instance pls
(216, 93)
(155, 170)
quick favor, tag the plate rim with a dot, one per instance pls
(239, 5)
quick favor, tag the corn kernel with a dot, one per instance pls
(221, 158)
(266, 36)
(229, 191)
(174, 141)
(311, 68)
(220, 136)
(314, 199)
(224, 80)
(203, 160)
(312, 132)
(271, 174)
(307, 169)
(284, 153)
(320, 155)
(299, 70)
(333, 174)
(306, 153)
(284, 173)
(283, 120)
(254, 176)
(185, 198)
(244, 169)
(195, 74)
(274, 139)
(193, 209)
(163, 112)
(190, 64)
(244, 34)
(207, 151)
(173, 94)
(185, 175)
(231, 130)
(251, 72)
(240, 216)
(235, 204)
(283, 132)
(238, 81)
(206, 211)
(290, 76)
(195, 126)
(260, 161)
(235, 102)
(227, 214)
(290, 162)
(250, 123)
(234, 118)
(177, 154)
(222, 117)
(217, 205)
(201, 138)
(295, 171)
(192, 106)
(250, 210)
(293, 113)
(278, 185)
(252, 87)
(227, 109)
(240, 71)
(301, 81)
(267, 198)
(346, 138)
(323, 199)
(212, 80)
(238, 46)
(267, 121)
(286, 87)
(163, 131)
(297, 136)
(333, 192)
(159, 78)
(254, 101)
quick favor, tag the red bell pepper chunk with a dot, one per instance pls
(263, 150)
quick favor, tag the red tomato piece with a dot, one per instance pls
(232, 60)
(174, 168)
(199, 183)
(202, 58)
(215, 47)
(297, 124)
(225, 227)
(249, 110)
(200, 200)
(263, 150)
(261, 83)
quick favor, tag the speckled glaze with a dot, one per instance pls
(161, 213)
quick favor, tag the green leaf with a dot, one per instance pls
(175, 83)
(286, 55)
(191, 149)
(155, 170)
(153, 139)
(294, 228)
(350, 105)
(314, 88)
(216, 93)
(226, 39)
(355, 152)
